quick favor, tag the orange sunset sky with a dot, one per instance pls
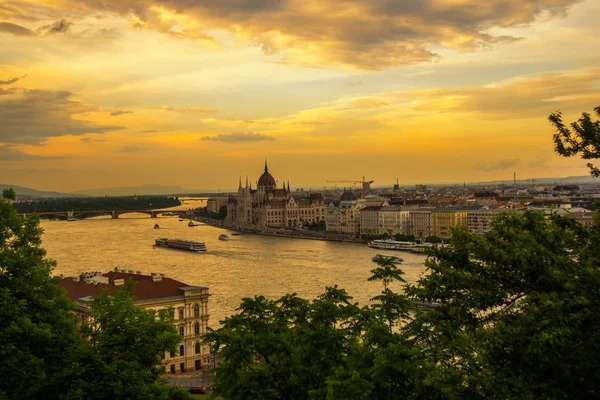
(195, 93)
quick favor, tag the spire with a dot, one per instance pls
(266, 168)
(246, 181)
(239, 187)
(288, 185)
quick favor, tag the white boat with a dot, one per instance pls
(223, 237)
(389, 244)
(395, 260)
(71, 219)
(181, 244)
(192, 224)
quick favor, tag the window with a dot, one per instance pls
(181, 350)
(196, 328)
(181, 313)
(181, 330)
(196, 310)
(172, 355)
(197, 348)
(182, 367)
(197, 365)
(173, 368)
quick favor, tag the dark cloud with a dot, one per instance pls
(15, 29)
(131, 149)
(11, 80)
(9, 153)
(351, 33)
(89, 140)
(120, 112)
(31, 116)
(61, 26)
(236, 137)
(498, 164)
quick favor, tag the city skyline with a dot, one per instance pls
(99, 94)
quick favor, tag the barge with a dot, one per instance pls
(179, 244)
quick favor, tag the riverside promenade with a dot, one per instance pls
(295, 233)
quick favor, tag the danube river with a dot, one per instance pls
(245, 266)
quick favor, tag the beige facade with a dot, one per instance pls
(420, 224)
(394, 220)
(214, 204)
(480, 222)
(369, 220)
(271, 207)
(155, 292)
(445, 219)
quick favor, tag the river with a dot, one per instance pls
(245, 266)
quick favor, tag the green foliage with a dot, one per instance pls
(9, 194)
(404, 238)
(582, 138)
(433, 239)
(223, 212)
(42, 354)
(317, 226)
(519, 319)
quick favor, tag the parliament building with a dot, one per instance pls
(270, 207)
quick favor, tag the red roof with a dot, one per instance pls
(145, 287)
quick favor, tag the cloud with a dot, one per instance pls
(10, 153)
(131, 149)
(61, 26)
(89, 140)
(11, 80)
(498, 164)
(15, 29)
(328, 33)
(368, 103)
(31, 116)
(236, 137)
(120, 112)
(192, 110)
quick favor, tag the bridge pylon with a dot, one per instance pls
(114, 215)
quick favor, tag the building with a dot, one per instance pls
(394, 220)
(420, 224)
(369, 220)
(445, 219)
(214, 204)
(155, 292)
(480, 222)
(272, 207)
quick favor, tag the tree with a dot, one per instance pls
(223, 212)
(582, 138)
(9, 194)
(37, 333)
(126, 344)
(434, 239)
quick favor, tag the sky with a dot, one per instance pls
(107, 93)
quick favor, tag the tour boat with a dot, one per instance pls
(235, 234)
(156, 226)
(192, 224)
(223, 237)
(181, 244)
(388, 244)
(395, 260)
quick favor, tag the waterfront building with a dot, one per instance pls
(394, 220)
(155, 292)
(420, 224)
(272, 207)
(214, 204)
(344, 215)
(369, 220)
(444, 219)
(479, 222)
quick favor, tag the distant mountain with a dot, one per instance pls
(23, 191)
(141, 190)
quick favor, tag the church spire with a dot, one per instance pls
(266, 168)
(240, 186)
(288, 185)
(246, 181)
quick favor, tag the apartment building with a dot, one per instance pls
(155, 292)
(445, 219)
(420, 224)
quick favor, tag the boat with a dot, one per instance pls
(395, 260)
(180, 220)
(420, 248)
(180, 244)
(389, 244)
(71, 219)
(223, 237)
(235, 234)
(156, 226)
(192, 224)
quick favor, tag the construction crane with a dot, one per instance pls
(363, 183)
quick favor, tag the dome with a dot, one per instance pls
(266, 180)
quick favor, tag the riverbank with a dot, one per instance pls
(289, 233)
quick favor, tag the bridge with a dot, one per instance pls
(94, 213)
